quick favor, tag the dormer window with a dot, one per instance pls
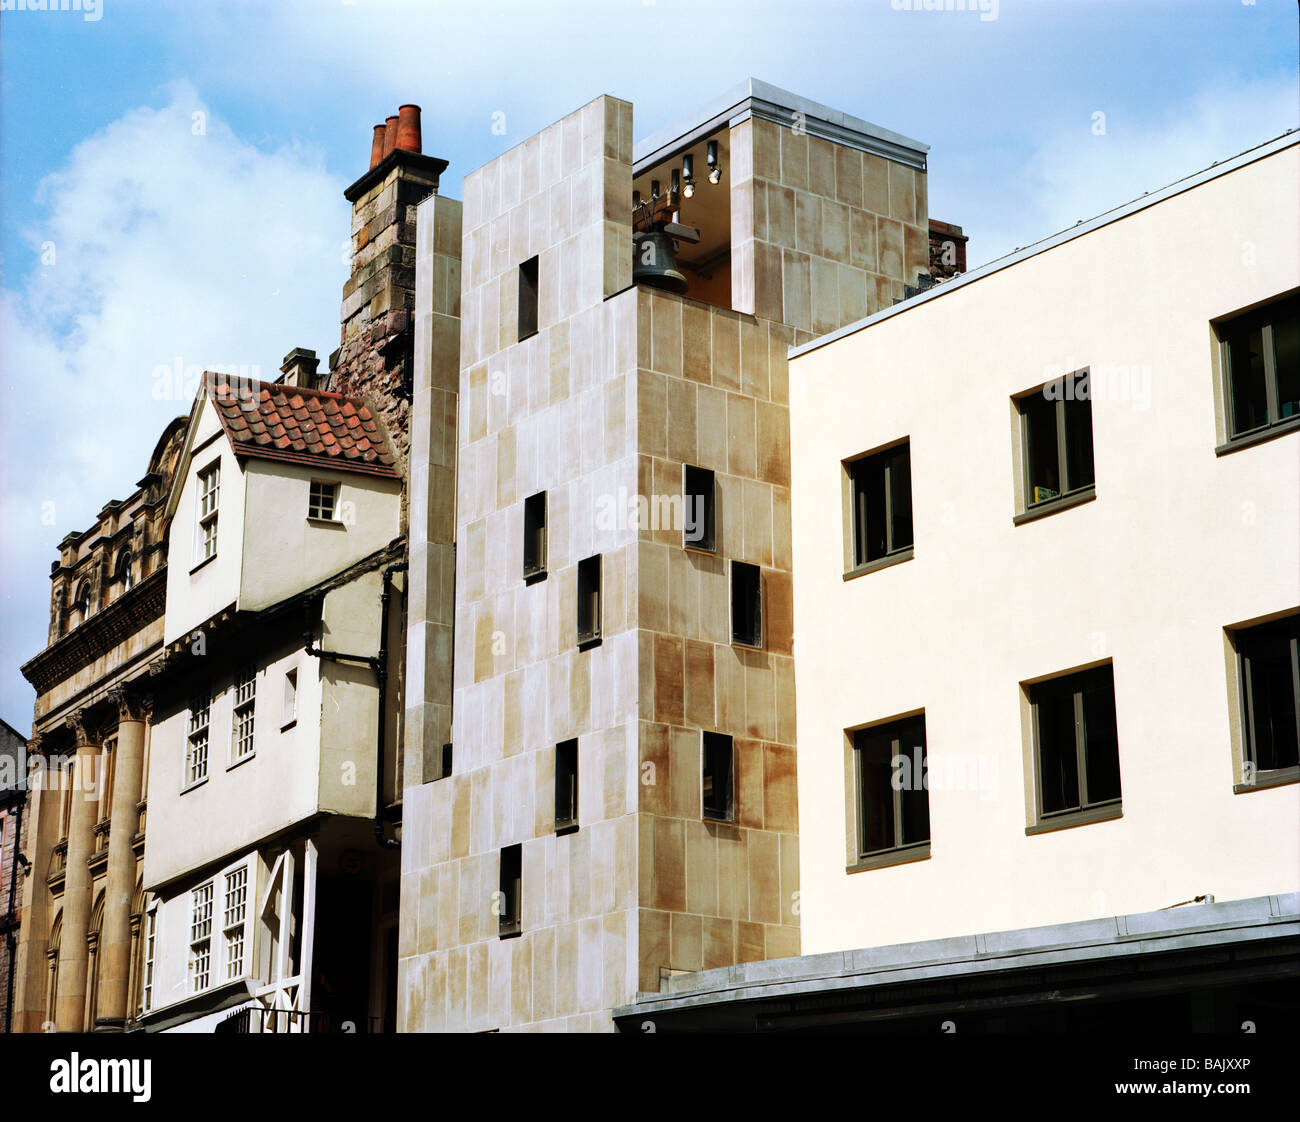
(209, 499)
(323, 501)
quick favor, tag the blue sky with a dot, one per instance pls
(224, 245)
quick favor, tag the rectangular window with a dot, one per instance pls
(1261, 367)
(446, 761)
(746, 604)
(323, 500)
(535, 536)
(150, 934)
(201, 937)
(1056, 439)
(290, 710)
(589, 601)
(241, 720)
(196, 741)
(209, 501)
(511, 885)
(566, 786)
(698, 506)
(1269, 666)
(528, 298)
(716, 787)
(893, 793)
(881, 504)
(1076, 743)
(232, 927)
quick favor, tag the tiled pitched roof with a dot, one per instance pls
(301, 426)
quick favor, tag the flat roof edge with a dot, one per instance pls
(753, 98)
(1262, 151)
(1231, 921)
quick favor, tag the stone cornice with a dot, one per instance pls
(90, 640)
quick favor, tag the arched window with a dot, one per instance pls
(52, 966)
(123, 573)
(80, 605)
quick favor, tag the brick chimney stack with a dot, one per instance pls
(375, 355)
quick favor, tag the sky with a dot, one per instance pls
(172, 171)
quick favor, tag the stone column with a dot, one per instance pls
(70, 1001)
(115, 940)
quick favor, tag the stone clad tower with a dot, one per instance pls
(620, 803)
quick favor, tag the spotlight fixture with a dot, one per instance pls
(688, 175)
(715, 172)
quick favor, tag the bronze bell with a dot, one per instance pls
(654, 262)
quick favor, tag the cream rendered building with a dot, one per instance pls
(1071, 604)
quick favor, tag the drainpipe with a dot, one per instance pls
(379, 664)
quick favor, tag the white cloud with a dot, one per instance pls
(1081, 174)
(172, 239)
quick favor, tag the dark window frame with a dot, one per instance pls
(1286, 629)
(1075, 684)
(510, 884)
(566, 786)
(751, 637)
(891, 464)
(1231, 330)
(590, 602)
(535, 537)
(528, 301)
(1070, 491)
(703, 482)
(899, 732)
(719, 803)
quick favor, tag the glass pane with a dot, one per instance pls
(1058, 765)
(1101, 751)
(1078, 444)
(900, 500)
(1272, 697)
(1286, 348)
(1044, 480)
(1246, 375)
(871, 481)
(876, 793)
(914, 798)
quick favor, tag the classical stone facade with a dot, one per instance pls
(80, 955)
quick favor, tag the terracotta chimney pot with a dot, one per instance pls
(408, 128)
(390, 135)
(377, 145)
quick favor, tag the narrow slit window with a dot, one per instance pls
(196, 742)
(446, 761)
(528, 299)
(566, 786)
(716, 787)
(290, 712)
(535, 536)
(746, 604)
(698, 508)
(589, 601)
(209, 503)
(882, 504)
(510, 915)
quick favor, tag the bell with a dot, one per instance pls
(654, 262)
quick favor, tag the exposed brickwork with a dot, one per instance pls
(374, 357)
(947, 250)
